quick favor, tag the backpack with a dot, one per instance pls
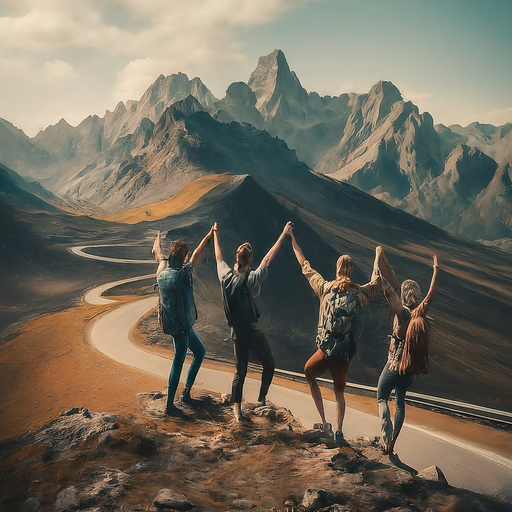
(239, 305)
(335, 336)
(176, 308)
(414, 358)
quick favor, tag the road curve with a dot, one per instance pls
(464, 465)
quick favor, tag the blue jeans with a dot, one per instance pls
(187, 340)
(387, 382)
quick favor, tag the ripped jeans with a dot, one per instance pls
(387, 382)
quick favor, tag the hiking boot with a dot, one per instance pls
(326, 429)
(176, 412)
(185, 398)
(340, 440)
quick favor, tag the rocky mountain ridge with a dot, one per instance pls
(376, 141)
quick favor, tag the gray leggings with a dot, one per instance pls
(387, 382)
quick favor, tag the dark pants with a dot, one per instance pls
(183, 342)
(387, 382)
(248, 339)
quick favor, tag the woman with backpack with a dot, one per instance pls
(177, 314)
(408, 349)
(240, 286)
(339, 301)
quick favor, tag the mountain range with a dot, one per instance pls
(457, 178)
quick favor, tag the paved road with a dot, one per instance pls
(464, 465)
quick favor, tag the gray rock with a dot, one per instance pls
(315, 498)
(232, 495)
(434, 474)
(109, 483)
(31, 505)
(404, 477)
(75, 426)
(242, 505)
(67, 500)
(167, 498)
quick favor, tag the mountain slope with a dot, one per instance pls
(18, 152)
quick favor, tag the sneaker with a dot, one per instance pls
(340, 440)
(176, 412)
(185, 398)
(327, 428)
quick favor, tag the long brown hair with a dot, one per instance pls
(243, 255)
(344, 265)
(178, 254)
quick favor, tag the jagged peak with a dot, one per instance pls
(242, 91)
(386, 89)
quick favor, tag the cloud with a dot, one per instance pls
(156, 28)
(497, 117)
(57, 72)
(135, 78)
(416, 96)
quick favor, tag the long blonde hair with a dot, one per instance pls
(344, 265)
(410, 293)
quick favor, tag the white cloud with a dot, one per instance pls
(414, 96)
(57, 72)
(159, 26)
(497, 117)
(135, 78)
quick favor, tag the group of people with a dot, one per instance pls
(340, 300)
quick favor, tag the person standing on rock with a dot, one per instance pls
(408, 348)
(339, 301)
(240, 287)
(177, 314)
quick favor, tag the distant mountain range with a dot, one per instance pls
(457, 178)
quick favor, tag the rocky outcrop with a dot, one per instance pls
(213, 463)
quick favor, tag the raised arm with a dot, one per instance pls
(275, 248)
(216, 243)
(423, 307)
(391, 296)
(157, 248)
(159, 253)
(200, 247)
(297, 250)
(382, 264)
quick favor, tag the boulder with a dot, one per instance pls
(31, 505)
(315, 499)
(434, 474)
(67, 500)
(167, 498)
(75, 426)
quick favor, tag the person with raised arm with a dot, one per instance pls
(408, 349)
(177, 314)
(339, 301)
(240, 287)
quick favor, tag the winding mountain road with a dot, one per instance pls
(465, 465)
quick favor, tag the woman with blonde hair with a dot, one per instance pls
(408, 348)
(339, 301)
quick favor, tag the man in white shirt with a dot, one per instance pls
(240, 286)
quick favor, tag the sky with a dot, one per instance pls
(70, 59)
